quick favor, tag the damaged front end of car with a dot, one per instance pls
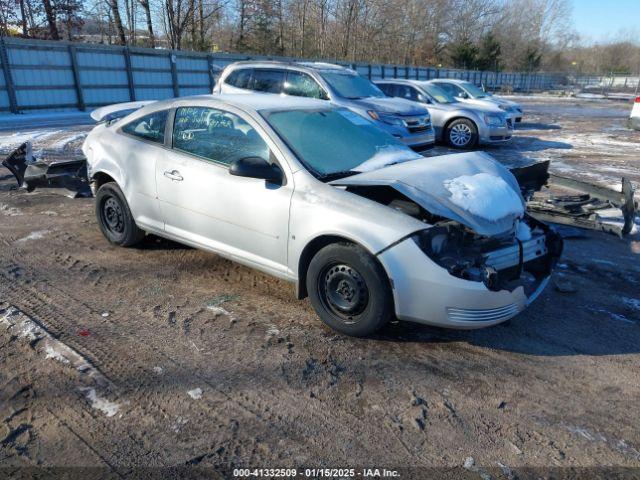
(480, 258)
(501, 262)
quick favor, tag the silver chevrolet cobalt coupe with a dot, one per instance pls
(320, 196)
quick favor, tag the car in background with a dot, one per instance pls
(634, 118)
(304, 190)
(407, 121)
(467, 92)
(460, 125)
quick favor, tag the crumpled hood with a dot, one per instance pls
(391, 105)
(470, 188)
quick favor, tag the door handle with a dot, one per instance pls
(174, 175)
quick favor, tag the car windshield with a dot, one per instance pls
(351, 86)
(437, 93)
(335, 143)
(474, 91)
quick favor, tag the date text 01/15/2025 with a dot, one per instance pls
(315, 473)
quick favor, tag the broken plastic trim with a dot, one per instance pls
(576, 210)
(69, 175)
(499, 263)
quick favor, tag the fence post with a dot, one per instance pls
(212, 81)
(76, 77)
(174, 74)
(395, 71)
(127, 64)
(382, 71)
(369, 71)
(8, 80)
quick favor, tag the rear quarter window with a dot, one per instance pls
(239, 78)
(150, 127)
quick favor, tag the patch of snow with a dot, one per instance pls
(469, 462)
(33, 236)
(9, 211)
(485, 195)
(51, 213)
(523, 232)
(157, 370)
(196, 393)
(64, 142)
(54, 353)
(386, 156)
(218, 310)
(272, 331)
(105, 406)
(18, 138)
(633, 303)
(22, 326)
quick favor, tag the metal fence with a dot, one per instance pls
(52, 75)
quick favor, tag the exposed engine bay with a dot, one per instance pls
(523, 256)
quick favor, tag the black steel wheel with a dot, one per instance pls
(349, 289)
(114, 217)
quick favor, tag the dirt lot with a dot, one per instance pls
(120, 359)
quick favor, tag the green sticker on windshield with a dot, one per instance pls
(354, 117)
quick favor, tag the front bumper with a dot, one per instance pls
(418, 141)
(426, 293)
(490, 135)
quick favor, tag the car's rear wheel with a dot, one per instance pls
(349, 290)
(462, 133)
(114, 217)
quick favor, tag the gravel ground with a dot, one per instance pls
(117, 360)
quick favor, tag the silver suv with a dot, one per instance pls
(460, 125)
(407, 121)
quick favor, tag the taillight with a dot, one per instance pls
(637, 99)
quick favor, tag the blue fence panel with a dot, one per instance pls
(45, 76)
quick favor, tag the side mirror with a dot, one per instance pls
(463, 95)
(424, 98)
(256, 167)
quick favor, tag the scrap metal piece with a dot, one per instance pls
(69, 175)
(594, 207)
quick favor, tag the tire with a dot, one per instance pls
(461, 133)
(114, 217)
(349, 290)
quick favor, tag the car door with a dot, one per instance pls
(202, 203)
(142, 141)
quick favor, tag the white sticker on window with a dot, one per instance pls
(354, 117)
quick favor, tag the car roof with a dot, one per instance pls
(449, 80)
(247, 101)
(321, 66)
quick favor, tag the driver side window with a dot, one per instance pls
(216, 135)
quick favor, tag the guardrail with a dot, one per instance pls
(56, 75)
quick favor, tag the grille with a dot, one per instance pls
(482, 315)
(509, 123)
(510, 256)
(422, 128)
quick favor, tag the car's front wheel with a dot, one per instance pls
(462, 133)
(349, 290)
(114, 217)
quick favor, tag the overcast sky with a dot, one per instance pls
(597, 20)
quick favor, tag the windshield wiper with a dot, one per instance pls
(328, 177)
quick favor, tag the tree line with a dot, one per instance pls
(494, 35)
